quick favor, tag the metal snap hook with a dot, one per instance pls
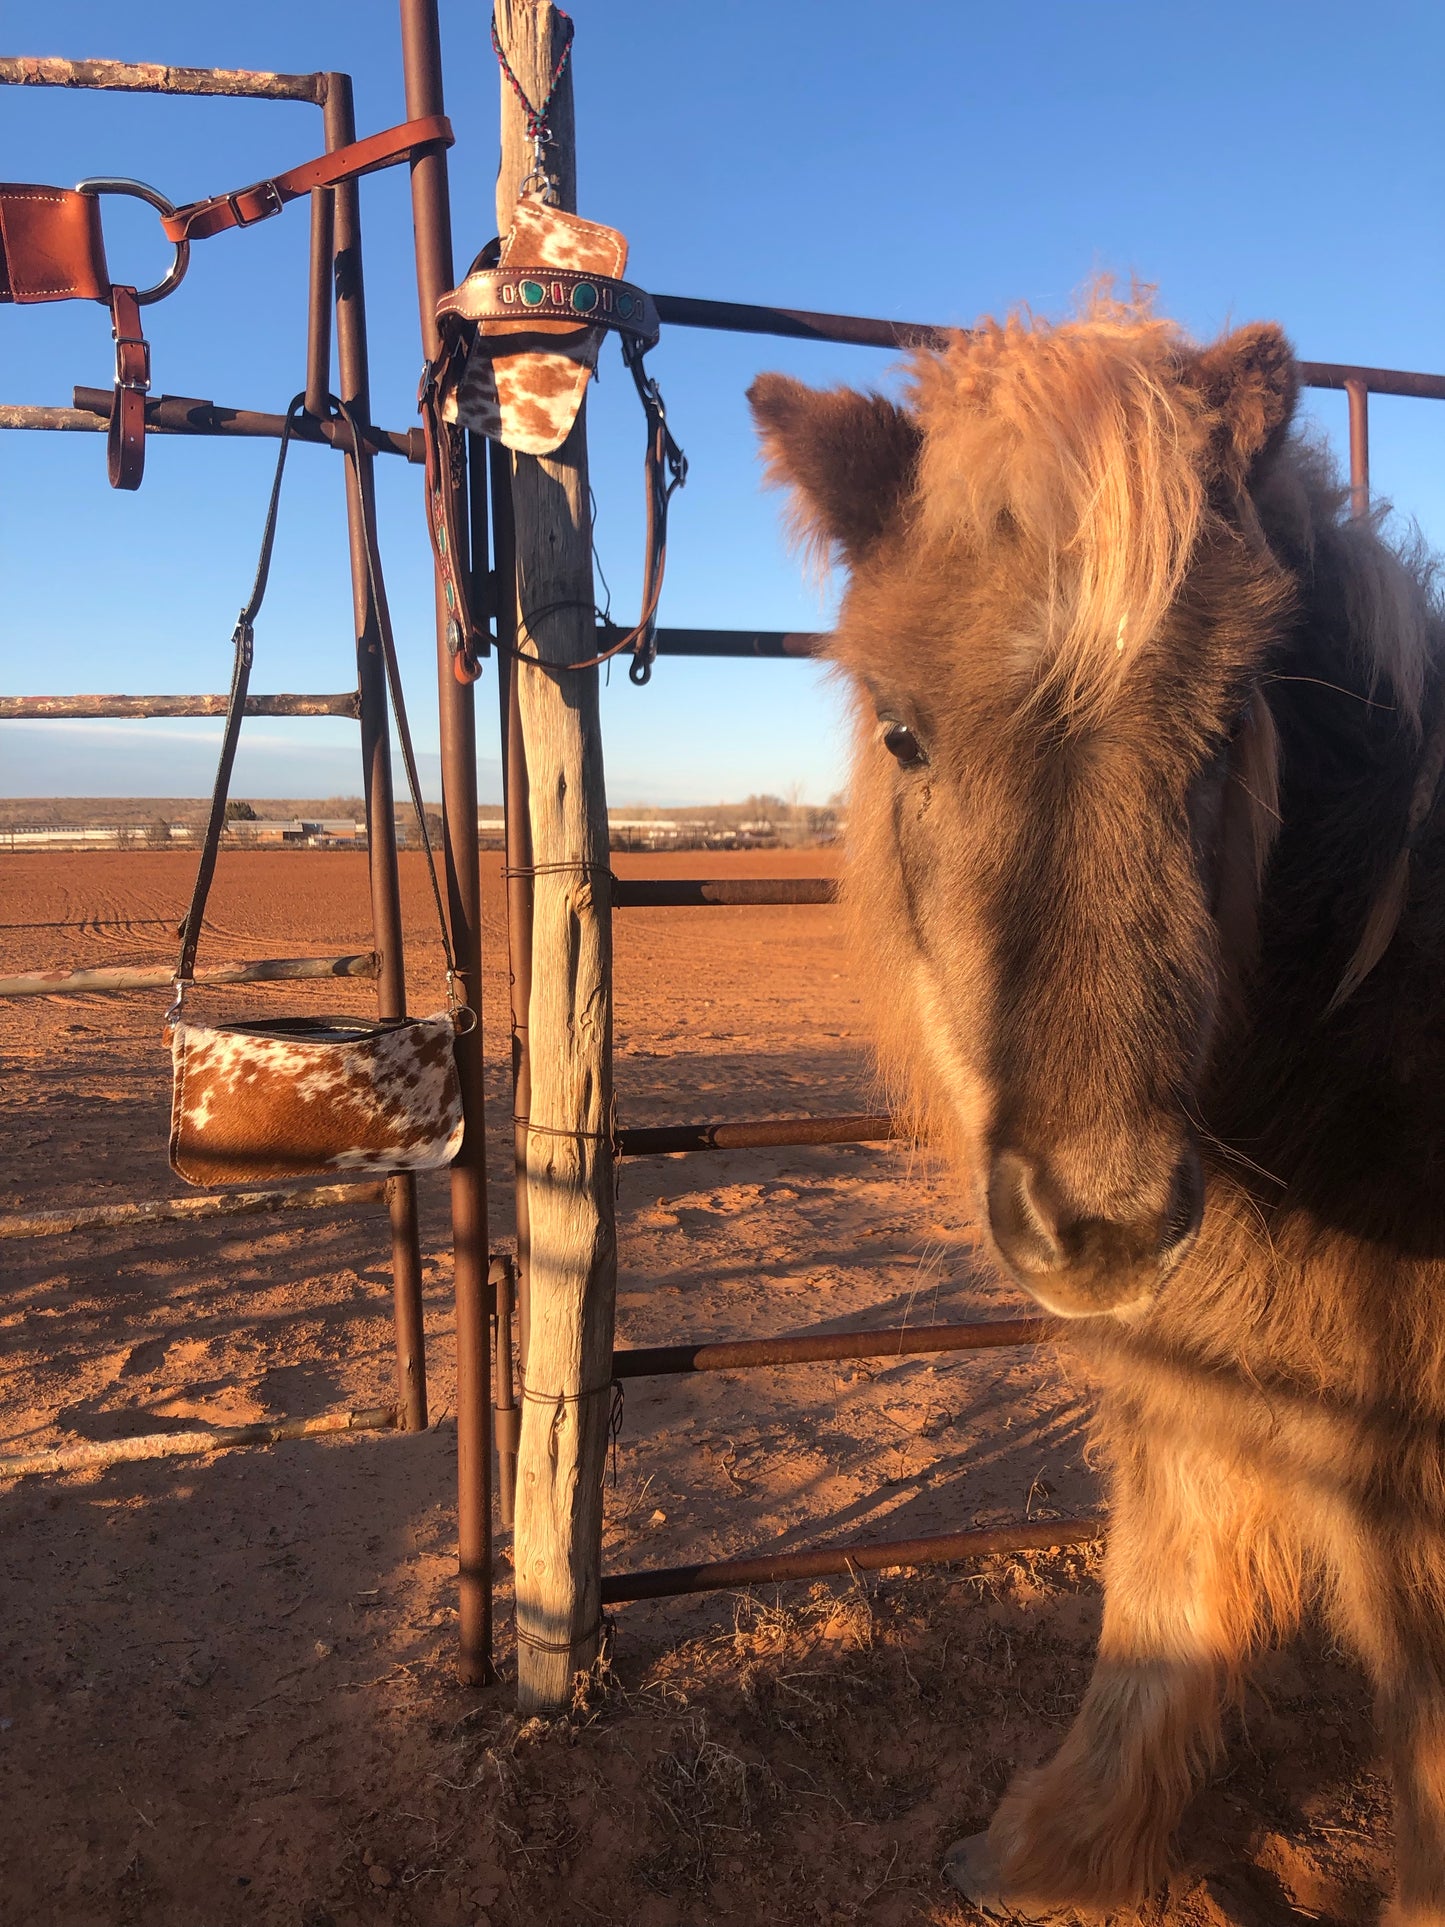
(122, 184)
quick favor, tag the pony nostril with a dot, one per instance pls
(1019, 1216)
(1038, 1234)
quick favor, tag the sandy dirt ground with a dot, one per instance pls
(226, 1692)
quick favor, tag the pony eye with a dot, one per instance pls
(901, 743)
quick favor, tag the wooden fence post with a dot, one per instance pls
(566, 1401)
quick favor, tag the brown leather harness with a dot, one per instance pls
(52, 249)
(492, 293)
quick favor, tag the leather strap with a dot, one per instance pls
(467, 641)
(244, 641)
(520, 295)
(51, 247)
(665, 471)
(126, 441)
(247, 205)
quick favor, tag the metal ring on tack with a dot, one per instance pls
(138, 190)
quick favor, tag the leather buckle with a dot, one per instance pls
(270, 194)
(141, 385)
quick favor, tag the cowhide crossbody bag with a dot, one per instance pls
(291, 1097)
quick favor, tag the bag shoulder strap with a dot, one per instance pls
(243, 639)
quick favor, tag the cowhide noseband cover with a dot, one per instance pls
(527, 399)
(252, 1102)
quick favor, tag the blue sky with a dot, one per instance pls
(1272, 159)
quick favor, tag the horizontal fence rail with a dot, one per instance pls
(175, 415)
(824, 1562)
(263, 970)
(94, 1453)
(680, 893)
(765, 644)
(812, 1348)
(868, 331)
(132, 77)
(229, 1204)
(185, 415)
(659, 1140)
(19, 709)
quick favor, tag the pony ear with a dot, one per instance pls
(848, 459)
(1251, 380)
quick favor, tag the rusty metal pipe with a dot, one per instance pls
(868, 331)
(506, 1414)
(261, 970)
(431, 224)
(343, 270)
(318, 302)
(1359, 400)
(797, 324)
(648, 1141)
(1376, 381)
(813, 1348)
(185, 415)
(19, 709)
(131, 77)
(676, 893)
(763, 644)
(517, 818)
(822, 1562)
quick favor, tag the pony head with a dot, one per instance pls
(1060, 601)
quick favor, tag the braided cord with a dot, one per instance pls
(538, 127)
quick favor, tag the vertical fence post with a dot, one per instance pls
(573, 1244)
(431, 221)
(1359, 399)
(342, 224)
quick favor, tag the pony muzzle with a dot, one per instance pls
(1079, 1263)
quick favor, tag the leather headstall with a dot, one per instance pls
(551, 311)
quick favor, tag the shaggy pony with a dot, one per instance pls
(1144, 853)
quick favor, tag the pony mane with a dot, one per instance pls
(1082, 441)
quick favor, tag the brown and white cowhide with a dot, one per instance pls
(526, 398)
(298, 1096)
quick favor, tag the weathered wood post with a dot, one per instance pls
(573, 1255)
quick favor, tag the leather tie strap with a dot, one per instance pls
(51, 247)
(126, 441)
(247, 205)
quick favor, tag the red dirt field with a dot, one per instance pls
(226, 1692)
